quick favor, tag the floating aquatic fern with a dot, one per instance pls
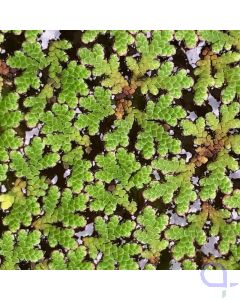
(31, 60)
(117, 152)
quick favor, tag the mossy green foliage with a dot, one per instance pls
(221, 40)
(106, 201)
(217, 179)
(61, 211)
(177, 179)
(74, 260)
(186, 237)
(189, 37)
(31, 60)
(73, 84)
(10, 117)
(224, 76)
(218, 128)
(56, 56)
(30, 164)
(23, 207)
(121, 38)
(36, 105)
(159, 45)
(80, 169)
(122, 168)
(168, 80)
(119, 135)
(233, 200)
(113, 255)
(99, 107)
(195, 233)
(150, 233)
(21, 247)
(101, 66)
(102, 165)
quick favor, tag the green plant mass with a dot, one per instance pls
(119, 149)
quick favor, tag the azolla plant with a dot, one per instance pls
(119, 149)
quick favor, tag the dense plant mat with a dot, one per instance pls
(119, 149)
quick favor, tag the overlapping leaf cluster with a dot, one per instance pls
(112, 155)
